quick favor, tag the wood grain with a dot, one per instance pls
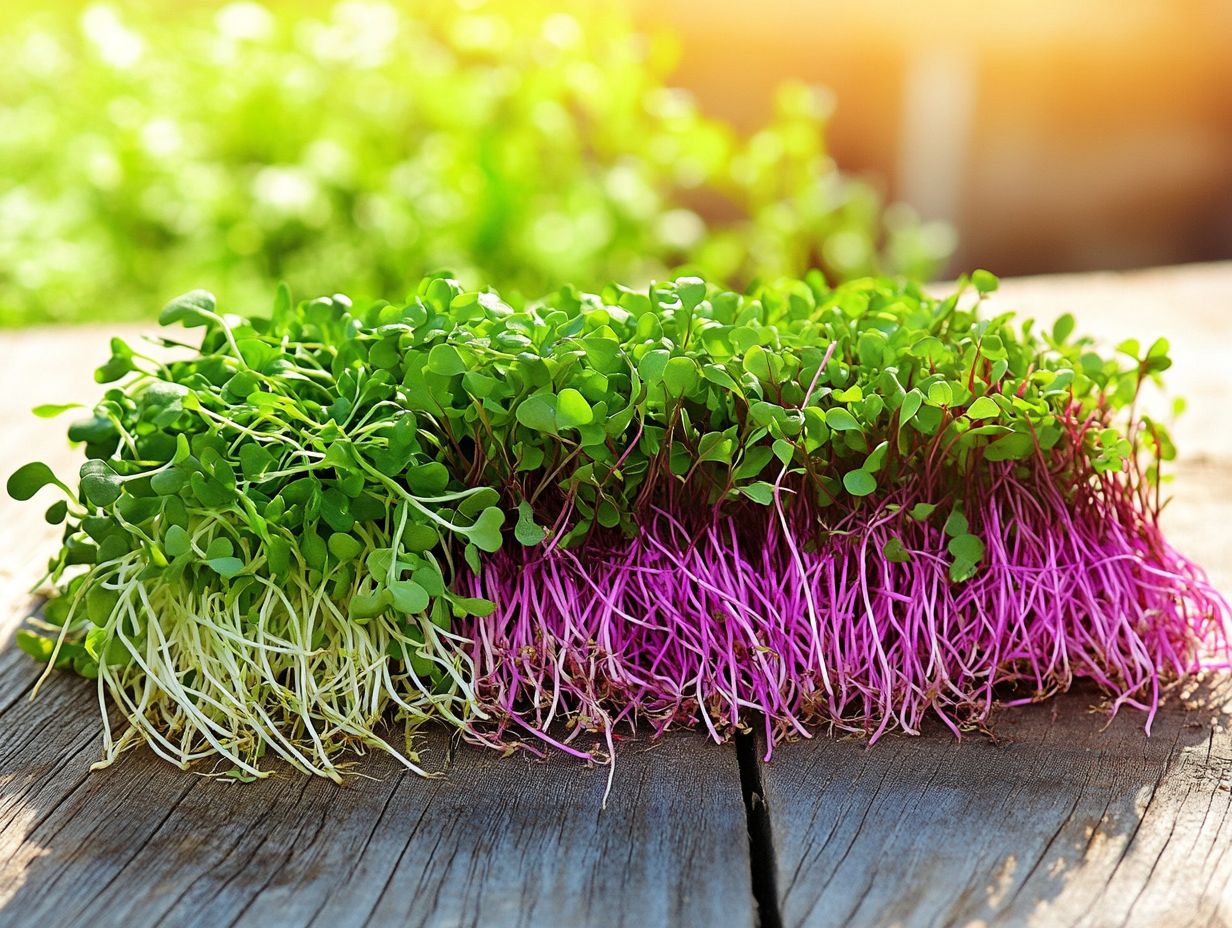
(493, 842)
(1060, 823)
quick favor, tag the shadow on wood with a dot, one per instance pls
(494, 842)
(1059, 822)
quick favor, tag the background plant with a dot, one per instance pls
(151, 146)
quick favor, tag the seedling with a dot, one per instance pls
(852, 506)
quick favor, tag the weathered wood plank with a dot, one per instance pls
(493, 842)
(1059, 823)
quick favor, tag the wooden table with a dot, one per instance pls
(1059, 822)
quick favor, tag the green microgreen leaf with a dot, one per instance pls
(572, 410)
(859, 482)
(840, 420)
(30, 478)
(984, 282)
(51, 410)
(177, 541)
(100, 485)
(983, 408)
(408, 596)
(527, 531)
(226, 566)
(189, 309)
(538, 412)
(894, 551)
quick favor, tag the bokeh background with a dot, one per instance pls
(150, 147)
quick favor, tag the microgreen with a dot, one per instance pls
(848, 504)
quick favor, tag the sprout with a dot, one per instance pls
(803, 506)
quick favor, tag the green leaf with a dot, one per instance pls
(753, 462)
(956, 523)
(717, 374)
(219, 547)
(968, 551)
(527, 531)
(912, 402)
(278, 556)
(427, 479)
(168, 482)
(419, 537)
(714, 446)
(652, 365)
(966, 546)
(469, 605)
(757, 363)
(876, 458)
(601, 352)
(226, 566)
(29, 479)
(408, 596)
(894, 551)
(51, 410)
(100, 604)
(100, 485)
(759, 492)
(244, 383)
(485, 534)
(840, 420)
(940, 394)
(188, 309)
(680, 376)
(538, 412)
(1010, 448)
(1063, 328)
(255, 460)
(344, 547)
(921, 511)
(445, 360)
(984, 281)
(37, 646)
(928, 347)
(783, 450)
(121, 363)
(363, 606)
(983, 408)
(859, 482)
(572, 410)
(177, 541)
(691, 290)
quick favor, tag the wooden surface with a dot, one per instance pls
(1060, 823)
(1057, 823)
(492, 842)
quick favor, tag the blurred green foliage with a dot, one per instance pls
(153, 147)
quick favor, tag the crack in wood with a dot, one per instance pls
(762, 861)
